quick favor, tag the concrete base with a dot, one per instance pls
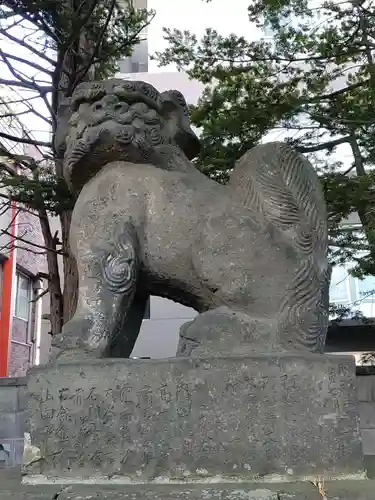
(336, 490)
(228, 418)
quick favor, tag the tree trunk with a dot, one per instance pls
(70, 63)
(70, 292)
(54, 283)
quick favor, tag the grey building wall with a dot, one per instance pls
(366, 397)
(12, 425)
(138, 61)
(158, 337)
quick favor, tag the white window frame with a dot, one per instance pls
(30, 290)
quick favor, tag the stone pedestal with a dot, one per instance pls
(332, 490)
(221, 419)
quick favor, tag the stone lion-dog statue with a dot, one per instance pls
(249, 256)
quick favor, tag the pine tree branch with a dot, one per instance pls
(336, 93)
(254, 59)
(83, 22)
(131, 41)
(324, 145)
(21, 209)
(98, 44)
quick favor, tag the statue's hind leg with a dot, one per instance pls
(122, 341)
(108, 275)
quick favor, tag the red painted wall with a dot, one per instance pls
(6, 302)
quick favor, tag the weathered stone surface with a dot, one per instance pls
(222, 331)
(337, 490)
(31, 493)
(148, 222)
(232, 417)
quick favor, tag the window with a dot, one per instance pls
(143, 67)
(339, 289)
(23, 297)
(135, 67)
(366, 289)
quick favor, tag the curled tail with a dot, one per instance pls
(279, 183)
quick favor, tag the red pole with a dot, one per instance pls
(6, 299)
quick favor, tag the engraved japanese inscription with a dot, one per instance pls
(182, 417)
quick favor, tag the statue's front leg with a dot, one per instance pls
(108, 278)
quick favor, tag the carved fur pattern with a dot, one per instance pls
(281, 184)
(119, 268)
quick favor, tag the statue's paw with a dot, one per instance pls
(70, 345)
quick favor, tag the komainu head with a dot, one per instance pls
(123, 120)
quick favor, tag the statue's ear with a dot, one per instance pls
(176, 114)
(64, 113)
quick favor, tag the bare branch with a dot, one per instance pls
(18, 101)
(40, 295)
(349, 169)
(24, 85)
(27, 46)
(25, 140)
(31, 109)
(31, 243)
(17, 74)
(11, 115)
(35, 19)
(28, 63)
